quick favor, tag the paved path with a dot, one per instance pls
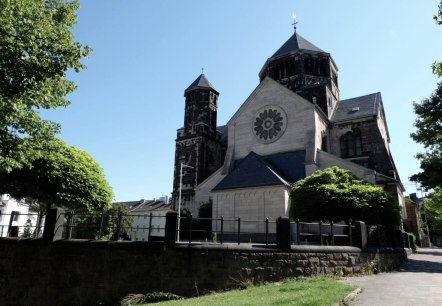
(418, 282)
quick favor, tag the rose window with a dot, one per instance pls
(269, 125)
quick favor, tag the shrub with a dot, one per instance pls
(335, 194)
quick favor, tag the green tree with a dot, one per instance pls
(438, 17)
(437, 66)
(64, 176)
(433, 210)
(37, 48)
(111, 224)
(429, 133)
(27, 231)
(337, 195)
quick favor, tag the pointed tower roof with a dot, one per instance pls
(295, 43)
(201, 82)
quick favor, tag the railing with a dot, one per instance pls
(321, 233)
(220, 230)
(13, 225)
(114, 226)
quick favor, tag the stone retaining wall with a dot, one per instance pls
(102, 273)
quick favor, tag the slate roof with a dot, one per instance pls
(144, 205)
(255, 171)
(150, 205)
(364, 106)
(224, 133)
(294, 43)
(201, 82)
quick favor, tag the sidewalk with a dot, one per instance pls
(418, 282)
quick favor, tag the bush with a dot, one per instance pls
(335, 194)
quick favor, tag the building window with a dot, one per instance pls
(187, 158)
(16, 215)
(324, 143)
(351, 144)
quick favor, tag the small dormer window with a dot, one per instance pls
(314, 100)
(355, 109)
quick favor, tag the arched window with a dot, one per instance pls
(351, 144)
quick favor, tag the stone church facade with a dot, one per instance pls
(291, 125)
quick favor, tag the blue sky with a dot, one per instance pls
(129, 102)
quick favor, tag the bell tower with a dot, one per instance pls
(307, 70)
(198, 143)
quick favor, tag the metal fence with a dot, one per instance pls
(21, 225)
(220, 230)
(113, 226)
(319, 233)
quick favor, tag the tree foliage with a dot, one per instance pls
(438, 17)
(64, 176)
(437, 66)
(429, 133)
(337, 195)
(111, 224)
(433, 210)
(37, 48)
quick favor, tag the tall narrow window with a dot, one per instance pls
(324, 143)
(358, 144)
(351, 144)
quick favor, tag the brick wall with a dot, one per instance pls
(102, 273)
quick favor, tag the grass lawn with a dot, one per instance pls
(310, 291)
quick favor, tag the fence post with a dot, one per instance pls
(190, 228)
(53, 228)
(267, 231)
(150, 227)
(101, 225)
(350, 238)
(283, 233)
(321, 240)
(171, 229)
(332, 233)
(222, 230)
(11, 218)
(68, 226)
(298, 234)
(239, 230)
(118, 230)
(360, 235)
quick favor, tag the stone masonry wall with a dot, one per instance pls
(102, 273)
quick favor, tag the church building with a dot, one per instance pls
(291, 125)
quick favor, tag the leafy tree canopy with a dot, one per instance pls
(429, 133)
(37, 48)
(433, 209)
(437, 66)
(64, 176)
(337, 195)
(112, 224)
(438, 16)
